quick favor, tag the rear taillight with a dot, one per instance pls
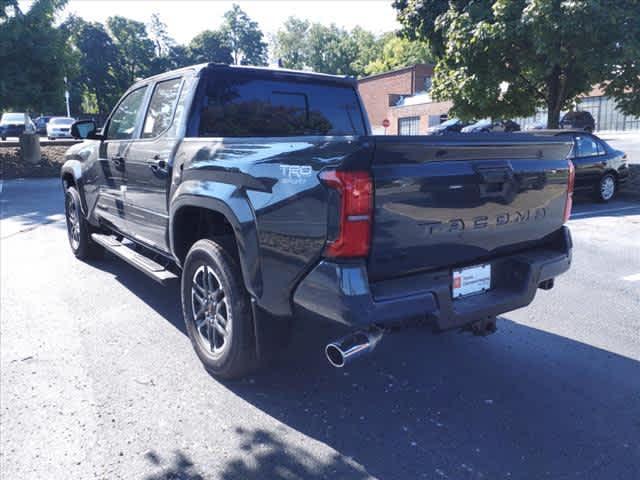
(569, 203)
(355, 207)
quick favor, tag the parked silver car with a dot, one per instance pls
(59, 127)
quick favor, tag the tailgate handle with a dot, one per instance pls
(495, 174)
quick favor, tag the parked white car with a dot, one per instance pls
(59, 127)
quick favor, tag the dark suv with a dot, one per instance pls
(578, 121)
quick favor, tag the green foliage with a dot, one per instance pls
(398, 52)
(210, 46)
(33, 55)
(508, 57)
(135, 47)
(300, 44)
(158, 33)
(244, 37)
(99, 64)
(289, 43)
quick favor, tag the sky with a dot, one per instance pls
(186, 18)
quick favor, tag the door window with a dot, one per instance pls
(161, 108)
(122, 125)
(587, 146)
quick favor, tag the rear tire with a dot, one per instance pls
(78, 229)
(217, 311)
(607, 188)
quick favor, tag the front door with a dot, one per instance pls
(148, 167)
(119, 132)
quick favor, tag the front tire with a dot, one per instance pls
(217, 312)
(607, 188)
(78, 229)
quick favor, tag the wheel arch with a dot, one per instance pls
(71, 175)
(219, 218)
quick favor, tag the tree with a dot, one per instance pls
(361, 47)
(508, 57)
(290, 43)
(398, 52)
(244, 37)
(210, 46)
(328, 49)
(98, 62)
(160, 37)
(33, 54)
(136, 49)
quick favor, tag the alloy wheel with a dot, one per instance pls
(210, 310)
(73, 222)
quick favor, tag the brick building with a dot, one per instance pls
(402, 97)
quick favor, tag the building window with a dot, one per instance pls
(427, 84)
(409, 126)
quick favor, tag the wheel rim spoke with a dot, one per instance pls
(220, 329)
(210, 335)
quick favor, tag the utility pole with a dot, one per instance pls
(66, 96)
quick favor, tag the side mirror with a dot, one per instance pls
(85, 129)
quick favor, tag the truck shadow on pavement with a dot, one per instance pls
(523, 403)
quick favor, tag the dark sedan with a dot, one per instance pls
(452, 125)
(41, 124)
(600, 168)
(487, 125)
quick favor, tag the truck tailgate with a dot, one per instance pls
(462, 199)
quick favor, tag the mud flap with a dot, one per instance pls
(271, 333)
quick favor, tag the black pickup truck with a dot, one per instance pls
(265, 193)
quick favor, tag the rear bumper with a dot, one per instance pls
(342, 293)
(59, 135)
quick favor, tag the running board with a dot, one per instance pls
(141, 262)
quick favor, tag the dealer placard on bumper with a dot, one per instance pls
(471, 280)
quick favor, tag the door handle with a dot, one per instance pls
(118, 162)
(158, 167)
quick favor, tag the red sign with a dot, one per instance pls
(386, 123)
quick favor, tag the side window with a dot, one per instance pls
(123, 121)
(161, 108)
(239, 105)
(587, 146)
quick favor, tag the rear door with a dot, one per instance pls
(148, 166)
(444, 202)
(120, 131)
(589, 160)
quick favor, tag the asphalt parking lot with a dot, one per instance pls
(98, 378)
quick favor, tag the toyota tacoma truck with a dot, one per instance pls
(264, 193)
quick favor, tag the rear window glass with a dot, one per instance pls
(242, 105)
(61, 121)
(13, 118)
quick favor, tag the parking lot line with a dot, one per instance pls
(632, 278)
(609, 210)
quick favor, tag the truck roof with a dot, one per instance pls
(276, 71)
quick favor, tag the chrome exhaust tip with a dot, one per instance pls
(348, 348)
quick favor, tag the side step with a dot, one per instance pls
(142, 263)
